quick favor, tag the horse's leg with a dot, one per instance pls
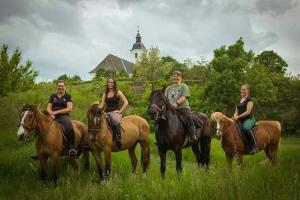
(271, 152)
(98, 160)
(55, 160)
(162, 154)
(133, 159)
(229, 158)
(73, 163)
(145, 154)
(205, 152)
(85, 158)
(43, 166)
(107, 154)
(240, 160)
(196, 151)
(178, 155)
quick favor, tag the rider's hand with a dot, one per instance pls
(235, 118)
(174, 105)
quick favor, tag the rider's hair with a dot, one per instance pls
(247, 86)
(115, 88)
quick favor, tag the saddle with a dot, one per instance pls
(197, 120)
(66, 140)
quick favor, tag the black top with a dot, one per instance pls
(59, 103)
(112, 103)
(242, 107)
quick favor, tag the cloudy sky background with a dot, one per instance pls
(73, 36)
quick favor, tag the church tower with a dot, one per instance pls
(137, 47)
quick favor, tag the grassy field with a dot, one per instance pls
(257, 180)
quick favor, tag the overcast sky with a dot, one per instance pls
(73, 36)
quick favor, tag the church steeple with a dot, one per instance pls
(137, 47)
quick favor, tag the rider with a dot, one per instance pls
(178, 95)
(59, 107)
(111, 104)
(244, 115)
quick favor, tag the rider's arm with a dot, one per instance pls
(124, 101)
(49, 109)
(102, 104)
(66, 110)
(181, 100)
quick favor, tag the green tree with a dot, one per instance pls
(15, 76)
(151, 67)
(226, 73)
(272, 62)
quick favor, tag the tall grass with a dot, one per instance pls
(19, 179)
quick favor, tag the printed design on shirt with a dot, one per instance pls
(174, 94)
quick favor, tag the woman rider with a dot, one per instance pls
(244, 115)
(111, 104)
(59, 107)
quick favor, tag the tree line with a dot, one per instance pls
(214, 85)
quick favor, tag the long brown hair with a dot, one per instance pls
(115, 88)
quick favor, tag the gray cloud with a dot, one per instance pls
(72, 36)
(275, 7)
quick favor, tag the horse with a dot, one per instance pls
(135, 129)
(267, 136)
(171, 133)
(49, 139)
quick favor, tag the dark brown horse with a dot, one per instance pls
(135, 129)
(267, 136)
(171, 133)
(49, 140)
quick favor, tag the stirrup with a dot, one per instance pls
(72, 153)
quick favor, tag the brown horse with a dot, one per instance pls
(267, 136)
(135, 129)
(49, 140)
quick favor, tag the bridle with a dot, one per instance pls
(222, 132)
(160, 110)
(95, 114)
(29, 127)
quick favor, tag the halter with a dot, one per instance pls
(159, 109)
(222, 132)
(28, 128)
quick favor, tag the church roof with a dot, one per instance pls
(115, 63)
(138, 43)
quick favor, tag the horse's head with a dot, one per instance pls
(94, 119)
(222, 123)
(27, 121)
(157, 103)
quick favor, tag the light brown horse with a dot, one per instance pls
(135, 129)
(267, 136)
(49, 139)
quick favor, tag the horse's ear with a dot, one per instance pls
(152, 87)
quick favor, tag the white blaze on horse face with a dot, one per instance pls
(218, 128)
(21, 130)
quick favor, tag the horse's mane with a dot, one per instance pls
(45, 112)
(218, 116)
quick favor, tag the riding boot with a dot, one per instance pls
(192, 132)
(117, 129)
(252, 142)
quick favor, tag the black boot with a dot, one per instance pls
(192, 133)
(253, 147)
(117, 130)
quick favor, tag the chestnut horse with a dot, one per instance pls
(49, 140)
(171, 133)
(267, 136)
(135, 129)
